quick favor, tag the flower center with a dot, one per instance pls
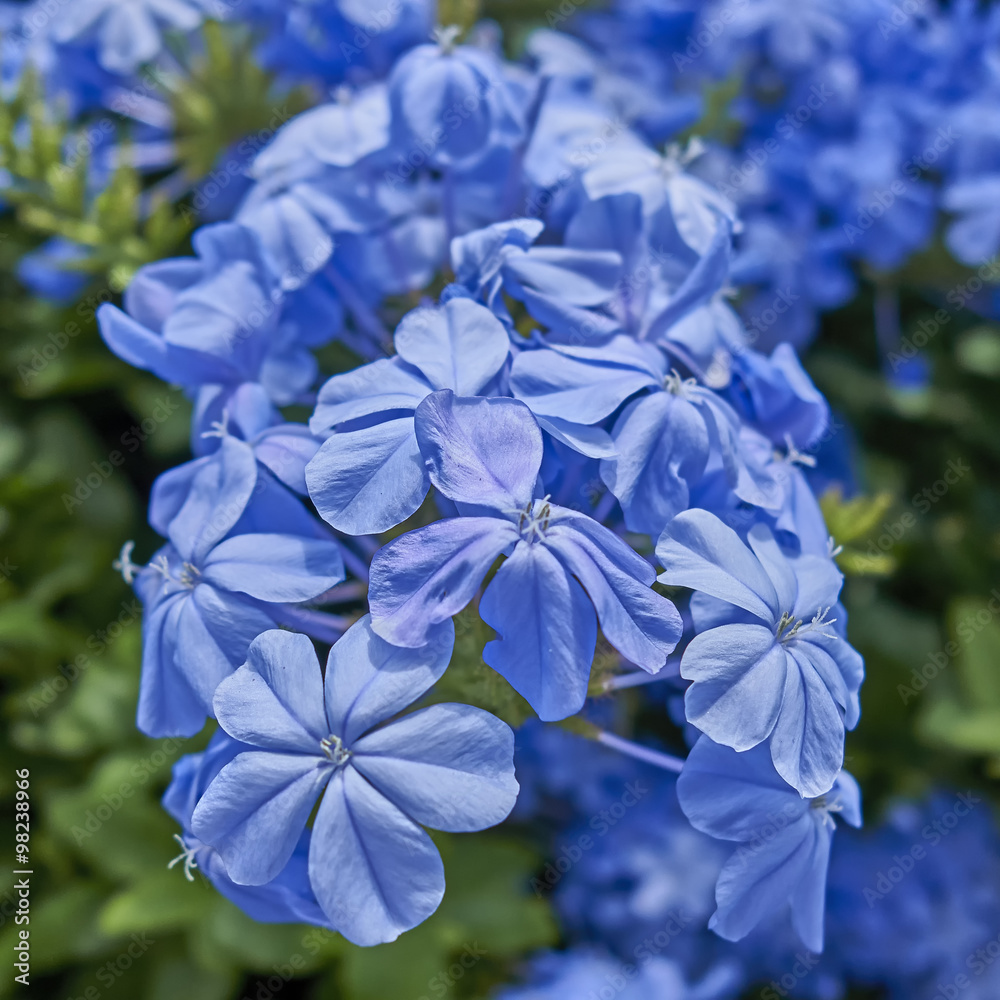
(333, 747)
(677, 386)
(789, 627)
(533, 521)
(188, 576)
(825, 807)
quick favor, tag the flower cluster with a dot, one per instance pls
(552, 417)
(580, 404)
(858, 125)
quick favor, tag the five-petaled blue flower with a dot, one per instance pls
(785, 838)
(561, 566)
(373, 869)
(766, 662)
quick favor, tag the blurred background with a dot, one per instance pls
(83, 436)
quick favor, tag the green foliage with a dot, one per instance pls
(50, 166)
(851, 521)
(962, 707)
(226, 99)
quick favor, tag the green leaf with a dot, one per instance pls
(262, 947)
(64, 927)
(849, 520)
(161, 900)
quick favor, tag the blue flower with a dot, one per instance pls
(561, 566)
(974, 236)
(128, 32)
(560, 286)
(211, 325)
(374, 871)
(241, 547)
(369, 475)
(451, 104)
(663, 437)
(766, 662)
(785, 837)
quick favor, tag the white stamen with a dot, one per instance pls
(124, 565)
(187, 855)
(795, 628)
(333, 747)
(681, 387)
(825, 808)
(533, 520)
(220, 428)
(793, 456)
(446, 37)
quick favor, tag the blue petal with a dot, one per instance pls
(368, 680)
(731, 796)
(275, 700)
(698, 551)
(662, 447)
(484, 452)
(755, 884)
(807, 745)
(150, 296)
(849, 663)
(217, 495)
(808, 897)
(818, 585)
(776, 565)
(213, 633)
(255, 810)
(382, 386)
(641, 624)
(578, 387)
(426, 576)
(449, 767)
(460, 345)
(368, 481)
(739, 682)
(546, 631)
(168, 703)
(143, 349)
(286, 450)
(275, 568)
(375, 873)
